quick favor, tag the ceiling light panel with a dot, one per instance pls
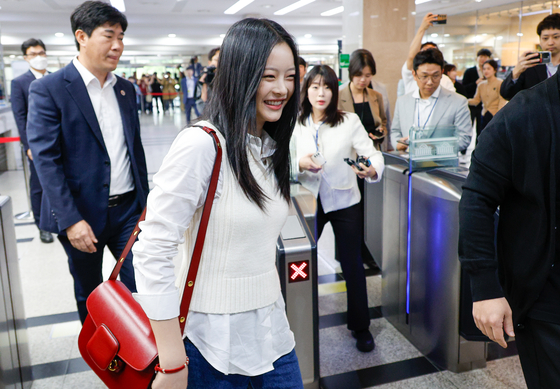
(238, 7)
(118, 4)
(333, 11)
(293, 7)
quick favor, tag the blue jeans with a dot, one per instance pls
(202, 375)
(190, 103)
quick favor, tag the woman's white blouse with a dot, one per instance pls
(244, 343)
(336, 182)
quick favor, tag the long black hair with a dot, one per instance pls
(232, 106)
(333, 115)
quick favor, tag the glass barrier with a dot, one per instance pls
(432, 147)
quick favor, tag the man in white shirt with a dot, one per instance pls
(84, 134)
(34, 52)
(431, 105)
(415, 47)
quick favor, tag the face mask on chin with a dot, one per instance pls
(39, 63)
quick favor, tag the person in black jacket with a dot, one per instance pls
(472, 77)
(515, 278)
(34, 52)
(529, 71)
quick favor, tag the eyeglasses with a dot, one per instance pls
(33, 55)
(434, 78)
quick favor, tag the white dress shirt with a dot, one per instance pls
(37, 74)
(244, 343)
(190, 87)
(423, 114)
(551, 69)
(107, 111)
(410, 84)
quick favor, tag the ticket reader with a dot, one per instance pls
(296, 256)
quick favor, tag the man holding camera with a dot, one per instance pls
(208, 74)
(535, 67)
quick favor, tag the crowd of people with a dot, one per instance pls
(81, 132)
(157, 94)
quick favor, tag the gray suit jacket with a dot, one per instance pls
(451, 109)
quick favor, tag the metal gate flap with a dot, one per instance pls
(292, 229)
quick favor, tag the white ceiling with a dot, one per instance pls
(197, 23)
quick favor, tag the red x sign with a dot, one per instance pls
(299, 271)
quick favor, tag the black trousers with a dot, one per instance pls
(155, 106)
(476, 113)
(347, 225)
(538, 344)
(35, 192)
(86, 269)
(367, 258)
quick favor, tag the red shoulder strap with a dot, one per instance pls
(195, 261)
(197, 253)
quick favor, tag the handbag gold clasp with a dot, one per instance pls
(115, 366)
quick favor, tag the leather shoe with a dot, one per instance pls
(370, 263)
(46, 237)
(364, 340)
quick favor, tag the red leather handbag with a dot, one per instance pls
(116, 339)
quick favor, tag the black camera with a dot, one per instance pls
(356, 163)
(210, 73)
(441, 19)
(544, 56)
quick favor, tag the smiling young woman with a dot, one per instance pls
(237, 303)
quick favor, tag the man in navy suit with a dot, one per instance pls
(188, 86)
(34, 52)
(84, 133)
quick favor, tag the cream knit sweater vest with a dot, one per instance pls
(238, 265)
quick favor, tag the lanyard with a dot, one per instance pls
(549, 72)
(316, 131)
(432, 110)
(363, 103)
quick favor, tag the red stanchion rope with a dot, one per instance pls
(8, 140)
(165, 94)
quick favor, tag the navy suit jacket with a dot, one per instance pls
(528, 79)
(69, 152)
(184, 88)
(19, 100)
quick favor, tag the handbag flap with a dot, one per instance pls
(102, 347)
(111, 304)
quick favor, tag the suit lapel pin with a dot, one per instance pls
(123, 92)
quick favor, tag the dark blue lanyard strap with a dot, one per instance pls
(429, 116)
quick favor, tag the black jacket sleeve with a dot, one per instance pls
(489, 179)
(510, 88)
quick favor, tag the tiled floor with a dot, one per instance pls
(53, 323)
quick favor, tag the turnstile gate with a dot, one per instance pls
(15, 371)
(421, 286)
(297, 265)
